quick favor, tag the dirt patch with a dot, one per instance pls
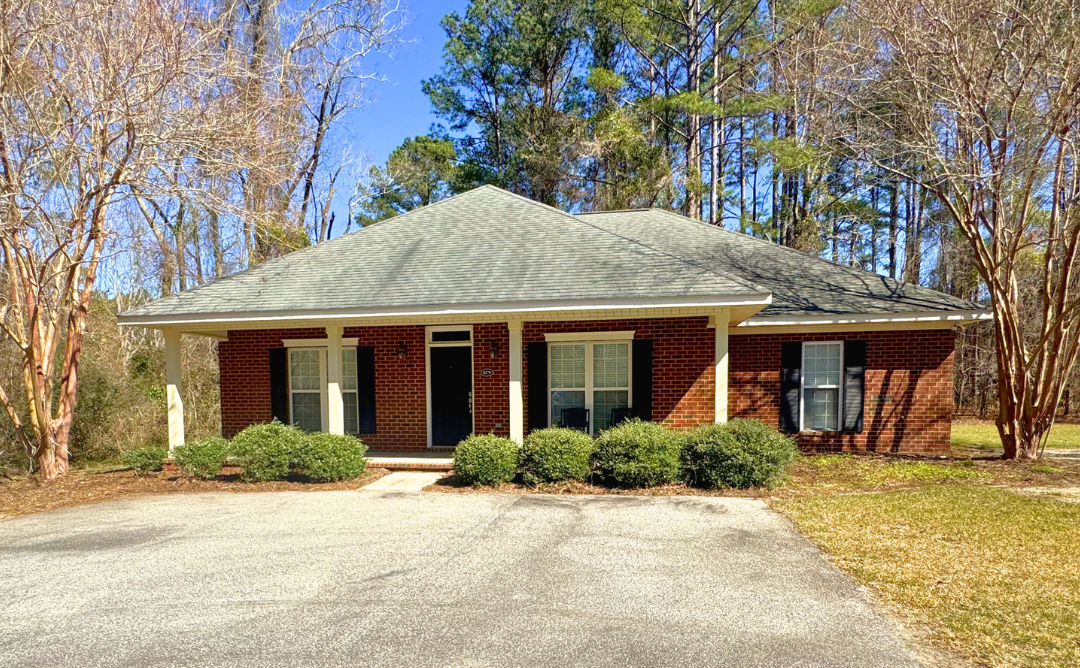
(26, 496)
(452, 484)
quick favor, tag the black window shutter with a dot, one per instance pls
(365, 388)
(790, 374)
(854, 384)
(279, 384)
(538, 385)
(643, 378)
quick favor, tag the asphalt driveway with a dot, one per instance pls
(422, 579)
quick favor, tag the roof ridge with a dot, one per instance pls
(575, 217)
(854, 271)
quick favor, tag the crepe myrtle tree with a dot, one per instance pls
(982, 99)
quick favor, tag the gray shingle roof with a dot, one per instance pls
(801, 284)
(489, 247)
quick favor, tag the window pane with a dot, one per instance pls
(568, 366)
(561, 400)
(348, 368)
(604, 403)
(821, 409)
(352, 418)
(307, 411)
(821, 365)
(304, 369)
(611, 365)
(442, 337)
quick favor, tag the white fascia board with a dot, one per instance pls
(943, 318)
(539, 308)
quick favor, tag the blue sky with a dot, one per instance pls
(398, 108)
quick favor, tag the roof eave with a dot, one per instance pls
(937, 319)
(755, 302)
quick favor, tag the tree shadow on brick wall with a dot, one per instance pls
(891, 409)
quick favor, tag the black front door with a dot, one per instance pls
(451, 390)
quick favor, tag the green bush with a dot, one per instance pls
(486, 460)
(551, 455)
(144, 460)
(202, 459)
(267, 451)
(327, 457)
(739, 454)
(639, 454)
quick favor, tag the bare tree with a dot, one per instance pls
(985, 99)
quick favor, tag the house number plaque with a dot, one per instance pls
(487, 373)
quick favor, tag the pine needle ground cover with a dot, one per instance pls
(994, 574)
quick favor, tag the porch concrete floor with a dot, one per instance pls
(436, 460)
(357, 578)
(404, 481)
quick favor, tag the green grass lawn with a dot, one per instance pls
(984, 435)
(994, 574)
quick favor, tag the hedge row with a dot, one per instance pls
(739, 454)
(271, 451)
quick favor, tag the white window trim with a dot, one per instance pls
(324, 402)
(318, 343)
(589, 386)
(802, 389)
(428, 345)
(578, 337)
(324, 407)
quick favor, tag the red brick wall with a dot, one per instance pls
(908, 380)
(491, 396)
(244, 365)
(400, 409)
(908, 396)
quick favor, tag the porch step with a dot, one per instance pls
(411, 461)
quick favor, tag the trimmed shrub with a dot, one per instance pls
(327, 457)
(266, 451)
(639, 454)
(739, 454)
(486, 460)
(144, 460)
(551, 455)
(202, 459)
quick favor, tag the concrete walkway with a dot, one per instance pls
(387, 579)
(403, 481)
(434, 460)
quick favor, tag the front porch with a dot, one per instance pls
(420, 388)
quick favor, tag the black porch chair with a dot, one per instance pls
(620, 415)
(575, 418)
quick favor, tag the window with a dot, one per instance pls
(349, 395)
(821, 372)
(306, 383)
(308, 386)
(589, 375)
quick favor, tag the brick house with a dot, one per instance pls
(490, 313)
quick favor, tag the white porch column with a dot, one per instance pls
(174, 389)
(517, 403)
(721, 320)
(335, 408)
